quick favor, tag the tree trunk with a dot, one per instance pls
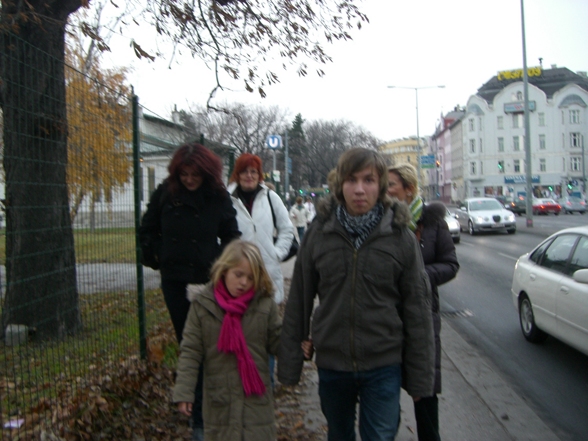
(40, 257)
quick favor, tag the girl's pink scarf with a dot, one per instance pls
(232, 339)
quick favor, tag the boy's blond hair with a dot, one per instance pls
(232, 255)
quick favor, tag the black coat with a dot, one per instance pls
(440, 264)
(187, 232)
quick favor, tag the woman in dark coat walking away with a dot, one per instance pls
(441, 265)
(188, 222)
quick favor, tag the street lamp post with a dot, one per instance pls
(416, 92)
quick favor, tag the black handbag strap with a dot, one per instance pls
(269, 199)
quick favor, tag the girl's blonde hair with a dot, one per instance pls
(407, 174)
(232, 255)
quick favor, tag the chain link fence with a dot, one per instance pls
(79, 163)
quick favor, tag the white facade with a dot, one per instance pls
(494, 145)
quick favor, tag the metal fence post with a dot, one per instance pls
(137, 190)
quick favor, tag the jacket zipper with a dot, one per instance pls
(352, 313)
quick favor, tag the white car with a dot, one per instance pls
(453, 225)
(485, 214)
(550, 289)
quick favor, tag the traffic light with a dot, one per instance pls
(438, 163)
(550, 188)
(570, 186)
(500, 166)
(301, 191)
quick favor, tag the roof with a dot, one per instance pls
(550, 81)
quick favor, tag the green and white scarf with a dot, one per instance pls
(416, 209)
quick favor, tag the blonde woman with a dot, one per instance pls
(441, 266)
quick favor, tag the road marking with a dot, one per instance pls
(510, 257)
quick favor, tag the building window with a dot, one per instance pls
(516, 146)
(574, 117)
(575, 140)
(563, 164)
(480, 145)
(407, 160)
(480, 126)
(501, 167)
(541, 142)
(500, 122)
(519, 96)
(541, 119)
(517, 165)
(500, 144)
(575, 163)
(472, 125)
(542, 165)
(150, 180)
(472, 168)
(481, 168)
(516, 120)
(563, 120)
(472, 146)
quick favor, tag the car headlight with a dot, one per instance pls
(509, 217)
(479, 219)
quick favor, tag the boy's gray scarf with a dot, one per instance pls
(360, 227)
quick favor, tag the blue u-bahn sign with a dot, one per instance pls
(274, 142)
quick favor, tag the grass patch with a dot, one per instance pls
(39, 372)
(107, 245)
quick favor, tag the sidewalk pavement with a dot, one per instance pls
(476, 403)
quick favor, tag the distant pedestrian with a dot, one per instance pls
(232, 327)
(441, 265)
(299, 215)
(374, 313)
(311, 208)
(189, 219)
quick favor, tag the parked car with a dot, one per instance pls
(571, 204)
(453, 225)
(518, 205)
(545, 206)
(485, 214)
(550, 289)
(504, 200)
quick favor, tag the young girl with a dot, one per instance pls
(232, 327)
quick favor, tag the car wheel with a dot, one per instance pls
(527, 320)
(471, 228)
(557, 214)
(456, 239)
(511, 231)
(582, 212)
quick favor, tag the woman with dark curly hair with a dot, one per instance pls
(188, 222)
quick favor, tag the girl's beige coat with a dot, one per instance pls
(228, 414)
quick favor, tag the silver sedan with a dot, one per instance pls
(485, 214)
(453, 226)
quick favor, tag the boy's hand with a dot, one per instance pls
(185, 408)
(307, 349)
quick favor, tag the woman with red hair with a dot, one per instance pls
(252, 198)
(189, 220)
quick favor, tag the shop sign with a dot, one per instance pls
(518, 107)
(516, 74)
(521, 179)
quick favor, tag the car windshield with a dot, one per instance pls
(488, 204)
(575, 199)
(545, 201)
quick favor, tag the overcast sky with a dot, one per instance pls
(460, 44)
